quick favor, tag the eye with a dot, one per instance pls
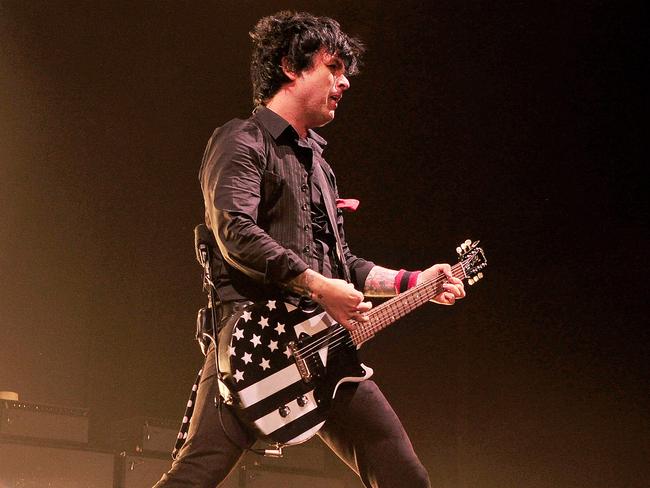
(336, 68)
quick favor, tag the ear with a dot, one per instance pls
(288, 72)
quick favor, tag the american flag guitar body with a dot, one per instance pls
(283, 364)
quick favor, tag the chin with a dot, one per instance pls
(326, 119)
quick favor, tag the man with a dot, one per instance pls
(269, 196)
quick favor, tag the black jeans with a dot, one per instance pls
(362, 429)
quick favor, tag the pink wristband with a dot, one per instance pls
(405, 280)
(413, 279)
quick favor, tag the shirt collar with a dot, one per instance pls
(276, 125)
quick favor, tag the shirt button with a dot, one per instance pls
(306, 249)
(304, 187)
(306, 226)
(305, 206)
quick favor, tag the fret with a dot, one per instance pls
(401, 305)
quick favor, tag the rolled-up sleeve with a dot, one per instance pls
(231, 177)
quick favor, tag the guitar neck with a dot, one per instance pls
(397, 307)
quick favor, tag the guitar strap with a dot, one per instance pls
(330, 205)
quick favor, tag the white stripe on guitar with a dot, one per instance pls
(269, 385)
(289, 375)
(273, 421)
(314, 325)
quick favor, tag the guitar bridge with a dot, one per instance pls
(303, 367)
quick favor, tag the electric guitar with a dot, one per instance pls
(282, 365)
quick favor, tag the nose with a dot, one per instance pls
(343, 83)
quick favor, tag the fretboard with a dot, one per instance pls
(397, 307)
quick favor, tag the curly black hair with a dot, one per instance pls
(296, 37)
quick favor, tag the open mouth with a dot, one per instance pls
(336, 98)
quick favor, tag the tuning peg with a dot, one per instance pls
(459, 251)
(474, 279)
(468, 243)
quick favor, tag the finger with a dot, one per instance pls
(361, 317)
(445, 298)
(351, 287)
(456, 281)
(451, 298)
(364, 306)
(443, 269)
(348, 324)
(447, 270)
(461, 287)
(356, 296)
(457, 290)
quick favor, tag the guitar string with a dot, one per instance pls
(383, 315)
(368, 332)
(404, 303)
(365, 331)
(377, 313)
(338, 336)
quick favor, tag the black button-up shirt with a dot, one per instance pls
(260, 203)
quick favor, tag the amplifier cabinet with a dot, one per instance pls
(34, 420)
(145, 435)
(33, 466)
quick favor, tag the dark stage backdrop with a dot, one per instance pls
(518, 124)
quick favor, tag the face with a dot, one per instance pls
(320, 88)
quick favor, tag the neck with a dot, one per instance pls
(287, 108)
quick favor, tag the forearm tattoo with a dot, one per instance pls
(380, 282)
(303, 285)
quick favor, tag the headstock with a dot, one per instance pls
(472, 259)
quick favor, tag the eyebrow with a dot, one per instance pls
(334, 59)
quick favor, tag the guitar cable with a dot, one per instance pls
(273, 453)
(219, 401)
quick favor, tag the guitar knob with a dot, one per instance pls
(284, 411)
(302, 400)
